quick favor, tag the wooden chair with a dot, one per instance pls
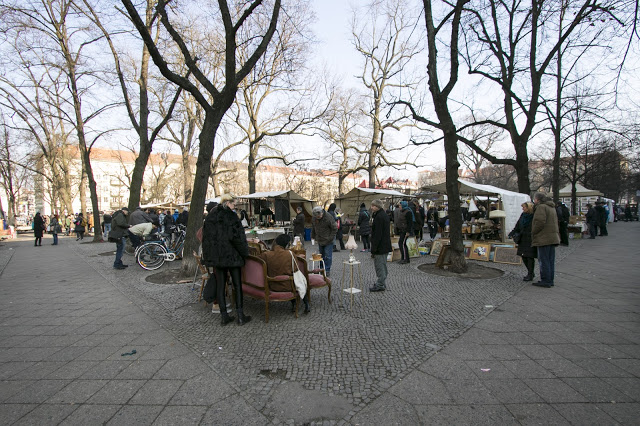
(205, 274)
(316, 278)
(255, 284)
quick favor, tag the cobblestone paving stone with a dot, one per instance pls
(356, 354)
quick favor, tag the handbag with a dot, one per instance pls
(298, 278)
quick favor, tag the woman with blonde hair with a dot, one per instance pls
(521, 235)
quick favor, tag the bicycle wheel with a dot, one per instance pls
(151, 256)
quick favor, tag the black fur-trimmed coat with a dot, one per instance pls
(224, 244)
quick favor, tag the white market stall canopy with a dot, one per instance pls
(350, 202)
(511, 201)
(581, 191)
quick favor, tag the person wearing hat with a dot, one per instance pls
(119, 225)
(380, 244)
(324, 231)
(224, 247)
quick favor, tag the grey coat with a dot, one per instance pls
(324, 229)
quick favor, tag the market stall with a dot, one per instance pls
(351, 201)
(268, 209)
(508, 203)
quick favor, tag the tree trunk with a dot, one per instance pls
(251, 170)
(522, 168)
(83, 192)
(458, 262)
(200, 185)
(186, 174)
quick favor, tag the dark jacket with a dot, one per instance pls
(544, 227)
(38, 226)
(184, 218)
(138, 216)
(324, 229)
(298, 224)
(106, 218)
(591, 215)
(523, 227)
(380, 237)
(168, 222)
(363, 222)
(80, 223)
(119, 225)
(224, 244)
(601, 215)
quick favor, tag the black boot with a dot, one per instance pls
(225, 318)
(242, 318)
(237, 285)
(221, 278)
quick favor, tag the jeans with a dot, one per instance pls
(380, 263)
(119, 251)
(107, 228)
(55, 239)
(327, 255)
(547, 260)
(135, 240)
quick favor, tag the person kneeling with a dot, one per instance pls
(278, 262)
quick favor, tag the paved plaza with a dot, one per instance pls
(429, 350)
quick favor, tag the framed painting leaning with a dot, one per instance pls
(436, 246)
(480, 251)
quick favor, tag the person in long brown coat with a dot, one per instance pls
(545, 236)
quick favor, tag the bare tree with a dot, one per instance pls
(342, 127)
(65, 38)
(507, 44)
(222, 98)
(437, 32)
(141, 115)
(278, 98)
(387, 37)
(14, 171)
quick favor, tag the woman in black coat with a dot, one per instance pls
(38, 228)
(364, 226)
(522, 233)
(224, 247)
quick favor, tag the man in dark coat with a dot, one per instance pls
(119, 226)
(324, 232)
(38, 228)
(545, 236)
(591, 218)
(364, 227)
(563, 222)
(298, 224)
(380, 244)
(224, 247)
(603, 217)
(183, 219)
(139, 216)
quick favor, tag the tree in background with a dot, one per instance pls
(141, 114)
(387, 35)
(508, 44)
(218, 90)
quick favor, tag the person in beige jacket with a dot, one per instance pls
(545, 235)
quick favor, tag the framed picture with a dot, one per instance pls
(436, 246)
(444, 258)
(480, 251)
(507, 255)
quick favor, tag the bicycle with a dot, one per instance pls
(151, 255)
